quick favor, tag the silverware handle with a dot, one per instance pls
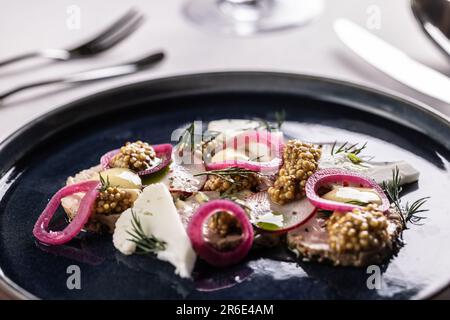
(92, 75)
(52, 54)
(18, 58)
(86, 76)
(28, 86)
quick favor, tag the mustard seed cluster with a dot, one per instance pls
(359, 230)
(300, 161)
(112, 200)
(136, 156)
(224, 223)
(219, 184)
(225, 231)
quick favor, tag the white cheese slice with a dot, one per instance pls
(378, 171)
(121, 236)
(159, 217)
(346, 194)
(259, 152)
(232, 127)
(228, 154)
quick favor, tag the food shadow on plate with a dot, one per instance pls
(74, 252)
(150, 265)
(358, 283)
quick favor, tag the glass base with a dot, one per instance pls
(248, 17)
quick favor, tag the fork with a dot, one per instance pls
(95, 74)
(114, 34)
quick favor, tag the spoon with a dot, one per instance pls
(434, 18)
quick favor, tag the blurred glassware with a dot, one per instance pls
(248, 17)
(434, 18)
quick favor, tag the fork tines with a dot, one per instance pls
(112, 35)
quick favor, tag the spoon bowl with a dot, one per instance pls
(434, 18)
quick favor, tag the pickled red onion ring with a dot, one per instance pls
(90, 188)
(106, 158)
(163, 152)
(329, 176)
(273, 140)
(204, 249)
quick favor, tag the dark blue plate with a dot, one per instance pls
(35, 162)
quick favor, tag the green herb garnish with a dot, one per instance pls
(234, 197)
(145, 244)
(265, 124)
(268, 226)
(187, 138)
(357, 203)
(270, 221)
(279, 116)
(324, 213)
(351, 151)
(104, 184)
(256, 159)
(354, 158)
(226, 173)
(408, 212)
(210, 136)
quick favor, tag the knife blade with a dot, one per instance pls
(392, 61)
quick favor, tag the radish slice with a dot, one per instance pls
(187, 208)
(273, 141)
(182, 177)
(90, 188)
(205, 250)
(269, 216)
(163, 152)
(326, 177)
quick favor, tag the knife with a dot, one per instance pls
(392, 61)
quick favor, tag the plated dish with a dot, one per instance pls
(234, 186)
(37, 162)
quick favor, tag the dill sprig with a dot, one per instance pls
(408, 212)
(324, 214)
(187, 138)
(280, 117)
(265, 124)
(235, 198)
(104, 183)
(209, 136)
(257, 158)
(145, 244)
(351, 151)
(347, 148)
(227, 173)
